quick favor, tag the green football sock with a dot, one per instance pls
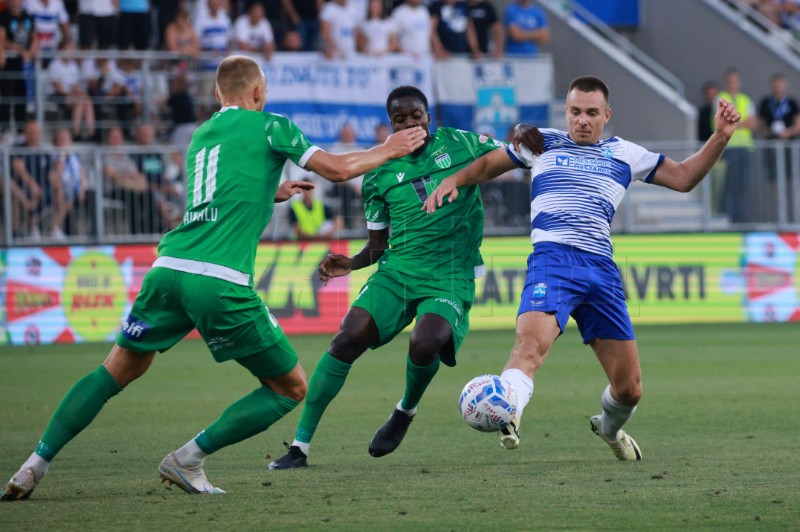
(326, 381)
(248, 416)
(417, 380)
(77, 409)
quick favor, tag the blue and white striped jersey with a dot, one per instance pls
(575, 190)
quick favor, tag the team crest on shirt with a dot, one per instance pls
(443, 161)
(607, 153)
(539, 290)
(562, 160)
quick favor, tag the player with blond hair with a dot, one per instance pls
(203, 278)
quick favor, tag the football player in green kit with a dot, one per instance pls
(426, 271)
(203, 278)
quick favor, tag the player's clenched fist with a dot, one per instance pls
(334, 265)
(727, 118)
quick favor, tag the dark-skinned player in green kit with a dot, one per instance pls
(426, 271)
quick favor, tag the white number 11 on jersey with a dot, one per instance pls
(210, 167)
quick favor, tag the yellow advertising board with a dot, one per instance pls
(79, 294)
(667, 278)
(681, 278)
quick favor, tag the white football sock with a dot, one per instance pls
(38, 464)
(614, 415)
(302, 445)
(411, 412)
(523, 386)
(190, 454)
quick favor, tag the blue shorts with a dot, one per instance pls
(566, 281)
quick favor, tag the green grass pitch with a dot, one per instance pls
(718, 426)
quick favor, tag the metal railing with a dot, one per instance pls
(124, 199)
(143, 79)
(760, 28)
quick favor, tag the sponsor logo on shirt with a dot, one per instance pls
(220, 342)
(400, 176)
(598, 165)
(607, 153)
(539, 290)
(443, 161)
(451, 303)
(134, 329)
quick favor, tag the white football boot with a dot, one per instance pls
(20, 486)
(624, 447)
(190, 479)
(509, 436)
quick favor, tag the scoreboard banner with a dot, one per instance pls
(82, 294)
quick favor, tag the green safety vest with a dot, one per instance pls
(309, 220)
(742, 137)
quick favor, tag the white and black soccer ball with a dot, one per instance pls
(488, 403)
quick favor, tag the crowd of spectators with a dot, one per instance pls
(774, 117)
(116, 103)
(337, 28)
(782, 13)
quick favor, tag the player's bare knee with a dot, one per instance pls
(295, 388)
(424, 352)
(125, 366)
(629, 395)
(347, 347)
(297, 391)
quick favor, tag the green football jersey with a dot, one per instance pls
(445, 244)
(234, 166)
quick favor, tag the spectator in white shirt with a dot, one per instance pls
(377, 35)
(106, 86)
(213, 28)
(337, 30)
(51, 22)
(253, 32)
(69, 92)
(359, 10)
(413, 23)
(70, 178)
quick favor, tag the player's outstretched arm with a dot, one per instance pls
(684, 176)
(488, 167)
(289, 188)
(336, 265)
(341, 167)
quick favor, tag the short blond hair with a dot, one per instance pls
(237, 74)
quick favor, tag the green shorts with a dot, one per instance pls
(394, 300)
(232, 319)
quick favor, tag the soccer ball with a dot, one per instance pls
(487, 403)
